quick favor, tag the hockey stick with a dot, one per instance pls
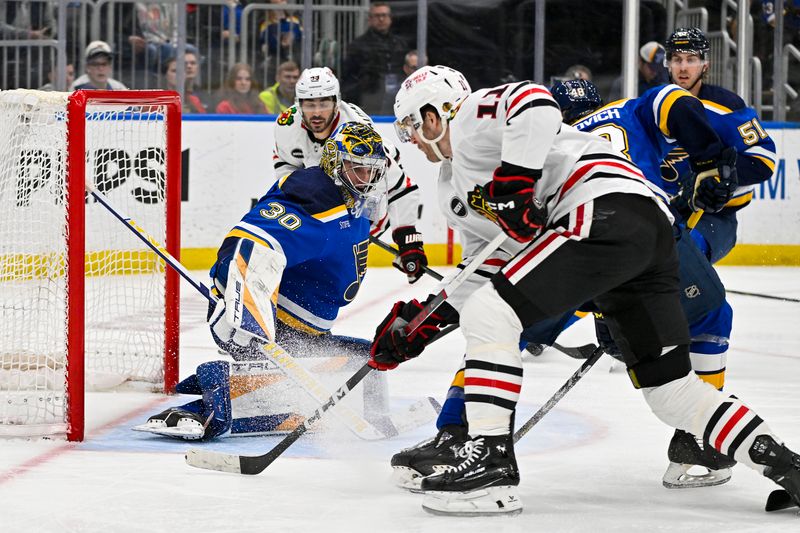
(382, 245)
(577, 352)
(560, 393)
(769, 297)
(244, 464)
(270, 349)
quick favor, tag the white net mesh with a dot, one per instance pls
(125, 283)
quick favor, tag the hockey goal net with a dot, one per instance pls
(83, 303)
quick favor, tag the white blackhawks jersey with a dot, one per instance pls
(520, 124)
(296, 147)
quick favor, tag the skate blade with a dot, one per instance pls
(182, 431)
(492, 501)
(677, 476)
(779, 500)
(406, 478)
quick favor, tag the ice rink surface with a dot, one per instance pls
(593, 464)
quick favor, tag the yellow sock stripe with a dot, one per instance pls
(458, 380)
(717, 380)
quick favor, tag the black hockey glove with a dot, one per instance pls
(604, 338)
(411, 258)
(392, 346)
(511, 198)
(707, 188)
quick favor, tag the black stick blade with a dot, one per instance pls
(779, 500)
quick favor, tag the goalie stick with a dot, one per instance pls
(251, 465)
(577, 352)
(270, 349)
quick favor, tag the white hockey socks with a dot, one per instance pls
(697, 407)
(493, 365)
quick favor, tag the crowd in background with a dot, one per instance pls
(489, 42)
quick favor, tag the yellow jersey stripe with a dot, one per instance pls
(716, 107)
(666, 105)
(740, 200)
(334, 212)
(238, 232)
(770, 164)
(294, 323)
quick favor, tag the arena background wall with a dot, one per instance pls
(228, 165)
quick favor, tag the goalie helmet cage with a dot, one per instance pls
(83, 303)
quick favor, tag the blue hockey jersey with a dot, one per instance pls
(737, 125)
(646, 129)
(304, 217)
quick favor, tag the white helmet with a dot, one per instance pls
(441, 87)
(317, 82)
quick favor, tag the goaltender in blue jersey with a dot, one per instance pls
(323, 243)
(282, 274)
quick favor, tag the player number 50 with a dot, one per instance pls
(276, 210)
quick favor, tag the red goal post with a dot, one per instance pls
(82, 304)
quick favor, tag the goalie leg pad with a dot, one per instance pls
(214, 380)
(247, 310)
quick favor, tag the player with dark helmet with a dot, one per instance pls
(687, 58)
(576, 98)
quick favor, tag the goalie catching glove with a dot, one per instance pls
(411, 258)
(392, 346)
(708, 189)
(510, 196)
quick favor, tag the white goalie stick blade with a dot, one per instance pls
(491, 501)
(207, 460)
(418, 414)
(677, 476)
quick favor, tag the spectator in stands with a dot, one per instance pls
(410, 63)
(279, 36)
(652, 71)
(159, 33)
(578, 72)
(373, 68)
(52, 73)
(26, 20)
(191, 103)
(791, 17)
(280, 96)
(99, 65)
(239, 97)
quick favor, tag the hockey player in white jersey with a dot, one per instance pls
(583, 226)
(301, 132)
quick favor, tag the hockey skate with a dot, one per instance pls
(782, 467)
(431, 456)
(485, 483)
(686, 452)
(175, 422)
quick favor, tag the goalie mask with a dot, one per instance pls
(576, 98)
(353, 156)
(440, 87)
